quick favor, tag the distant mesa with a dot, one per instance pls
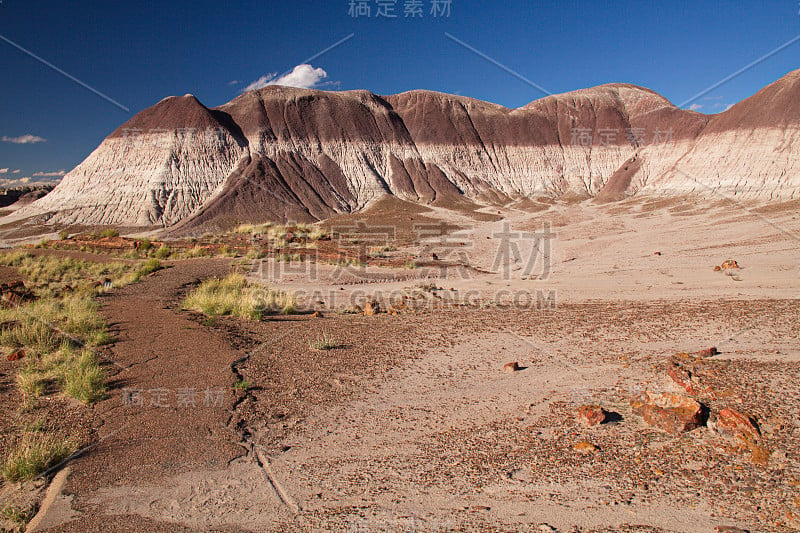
(283, 153)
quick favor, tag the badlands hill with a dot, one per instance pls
(294, 154)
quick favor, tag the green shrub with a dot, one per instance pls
(242, 385)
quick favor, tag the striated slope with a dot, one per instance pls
(157, 168)
(565, 143)
(752, 150)
(296, 154)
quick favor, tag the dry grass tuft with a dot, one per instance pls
(234, 295)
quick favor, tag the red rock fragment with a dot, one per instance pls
(372, 308)
(685, 379)
(730, 263)
(734, 425)
(671, 412)
(511, 367)
(591, 415)
(708, 352)
(585, 448)
(759, 455)
(14, 294)
(17, 355)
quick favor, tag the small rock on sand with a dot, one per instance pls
(735, 425)
(585, 448)
(671, 412)
(591, 415)
(708, 352)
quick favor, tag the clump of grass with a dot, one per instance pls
(244, 229)
(226, 251)
(110, 232)
(255, 253)
(18, 515)
(30, 333)
(63, 234)
(30, 382)
(234, 295)
(324, 342)
(42, 325)
(288, 304)
(317, 234)
(35, 453)
(145, 245)
(194, 251)
(47, 273)
(242, 385)
(253, 229)
(148, 267)
(77, 374)
(163, 252)
(83, 379)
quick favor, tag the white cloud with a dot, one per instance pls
(16, 171)
(302, 76)
(3, 171)
(260, 83)
(24, 139)
(234, 82)
(722, 105)
(9, 184)
(695, 107)
(56, 174)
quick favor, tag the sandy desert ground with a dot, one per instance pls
(410, 423)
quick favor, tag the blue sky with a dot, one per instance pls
(137, 53)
